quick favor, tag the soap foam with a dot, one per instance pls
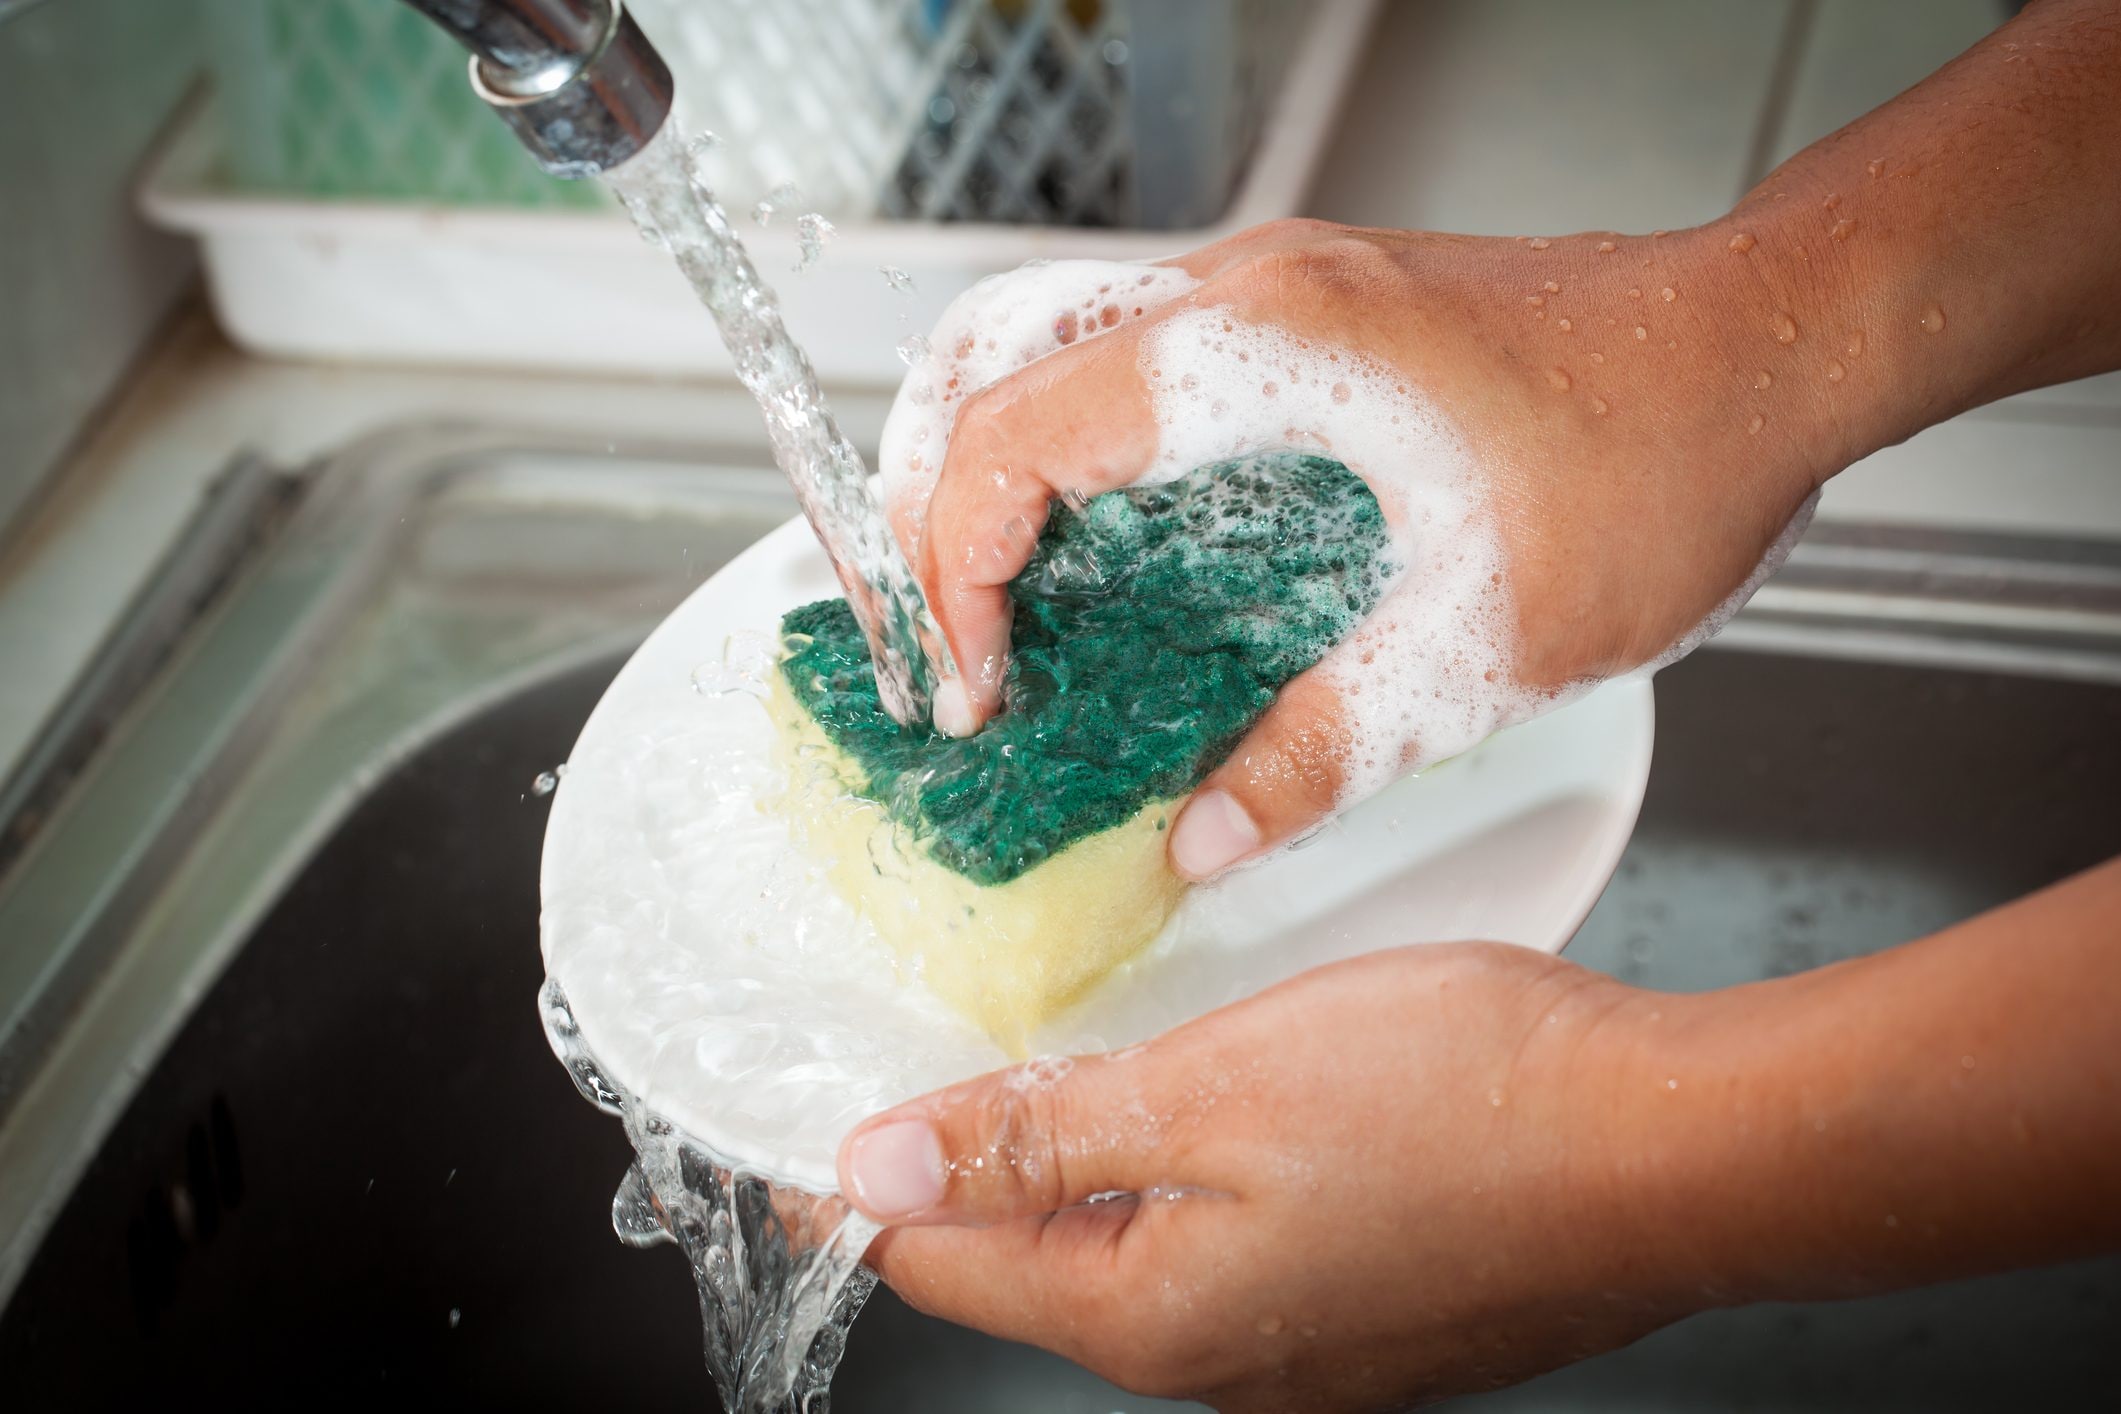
(1427, 675)
(989, 332)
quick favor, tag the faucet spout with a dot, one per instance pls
(576, 79)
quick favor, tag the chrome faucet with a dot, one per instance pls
(576, 79)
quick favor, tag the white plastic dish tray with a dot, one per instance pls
(401, 282)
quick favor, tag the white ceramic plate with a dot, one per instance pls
(716, 978)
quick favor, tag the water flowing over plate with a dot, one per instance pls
(715, 974)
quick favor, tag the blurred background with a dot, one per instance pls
(329, 426)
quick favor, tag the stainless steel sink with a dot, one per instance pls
(277, 1119)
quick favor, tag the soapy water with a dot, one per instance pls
(1432, 671)
(778, 1270)
(675, 209)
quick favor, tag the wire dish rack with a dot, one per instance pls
(1127, 113)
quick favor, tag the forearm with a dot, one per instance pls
(1959, 244)
(1943, 1109)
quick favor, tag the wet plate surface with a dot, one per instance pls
(716, 977)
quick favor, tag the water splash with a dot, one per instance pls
(812, 231)
(665, 194)
(778, 1270)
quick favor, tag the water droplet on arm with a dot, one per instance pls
(1763, 380)
(1558, 379)
(1835, 372)
(1933, 320)
(1756, 424)
(1606, 247)
(1540, 243)
(1741, 243)
(1784, 329)
(1843, 229)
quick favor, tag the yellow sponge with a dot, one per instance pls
(1010, 956)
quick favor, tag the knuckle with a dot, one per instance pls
(1019, 1149)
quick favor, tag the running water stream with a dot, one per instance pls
(675, 210)
(778, 1269)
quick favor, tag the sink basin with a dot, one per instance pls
(286, 1125)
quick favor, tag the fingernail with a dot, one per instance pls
(896, 1169)
(1213, 834)
(952, 709)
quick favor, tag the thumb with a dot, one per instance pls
(1283, 778)
(1032, 1139)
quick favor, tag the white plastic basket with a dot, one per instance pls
(555, 289)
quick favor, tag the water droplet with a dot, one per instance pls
(1671, 343)
(1668, 294)
(1270, 1325)
(1565, 325)
(1342, 392)
(1933, 320)
(1641, 333)
(1853, 346)
(1834, 371)
(1635, 294)
(1756, 424)
(1606, 247)
(1535, 301)
(1672, 1084)
(545, 783)
(1540, 243)
(1659, 235)
(456, 1317)
(912, 349)
(1763, 380)
(784, 195)
(1558, 380)
(1741, 243)
(1552, 287)
(1598, 358)
(1598, 406)
(896, 278)
(811, 233)
(1784, 329)
(1874, 166)
(1833, 199)
(1066, 325)
(1843, 229)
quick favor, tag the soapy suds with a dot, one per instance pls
(1432, 671)
(1427, 675)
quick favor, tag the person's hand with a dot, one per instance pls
(1637, 436)
(1392, 1178)
(1451, 1166)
